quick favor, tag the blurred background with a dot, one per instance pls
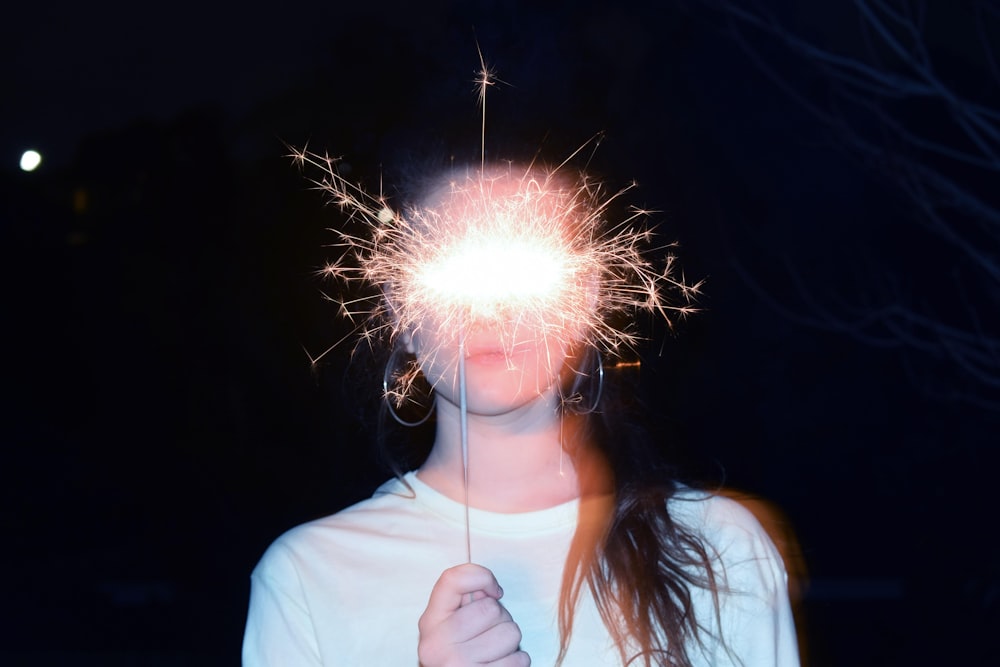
(829, 168)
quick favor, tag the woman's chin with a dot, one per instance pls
(506, 398)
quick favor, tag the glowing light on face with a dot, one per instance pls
(506, 249)
(496, 251)
(489, 274)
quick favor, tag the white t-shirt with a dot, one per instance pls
(348, 589)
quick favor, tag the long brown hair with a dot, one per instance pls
(638, 564)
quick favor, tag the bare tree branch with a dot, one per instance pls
(890, 104)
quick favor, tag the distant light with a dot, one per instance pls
(30, 160)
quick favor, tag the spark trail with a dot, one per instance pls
(508, 247)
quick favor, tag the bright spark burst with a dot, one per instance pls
(500, 248)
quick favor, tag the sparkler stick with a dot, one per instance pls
(487, 77)
(464, 420)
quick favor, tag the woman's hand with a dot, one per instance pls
(465, 624)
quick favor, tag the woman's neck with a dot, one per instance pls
(516, 460)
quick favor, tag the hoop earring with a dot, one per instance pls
(389, 372)
(575, 396)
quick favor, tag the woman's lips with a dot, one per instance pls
(486, 356)
(494, 354)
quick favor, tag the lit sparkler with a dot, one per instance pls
(504, 248)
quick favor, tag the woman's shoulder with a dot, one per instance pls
(357, 523)
(749, 569)
(729, 524)
(712, 511)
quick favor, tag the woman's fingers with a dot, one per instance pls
(481, 617)
(465, 624)
(457, 586)
(479, 633)
(495, 642)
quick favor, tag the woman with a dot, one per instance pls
(533, 475)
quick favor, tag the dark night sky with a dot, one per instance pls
(163, 423)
